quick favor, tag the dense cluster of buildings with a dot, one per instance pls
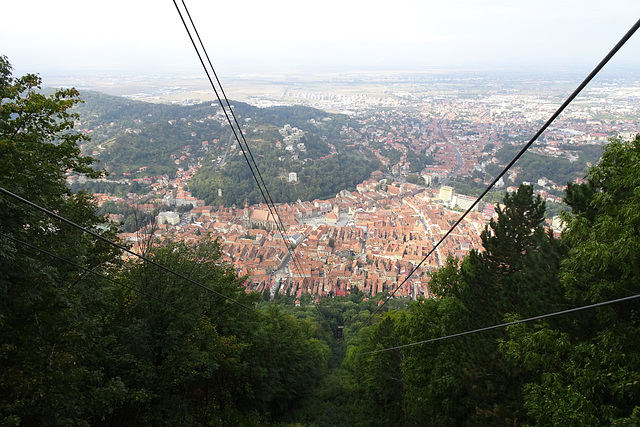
(374, 237)
(370, 239)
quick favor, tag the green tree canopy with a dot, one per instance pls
(468, 381)
(586, 365)
(50, 312)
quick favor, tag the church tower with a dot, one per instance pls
(246, 219)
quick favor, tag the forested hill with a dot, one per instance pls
(99, 108)
(133, 139)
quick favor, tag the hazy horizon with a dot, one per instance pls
(144, 38)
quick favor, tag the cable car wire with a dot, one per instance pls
(261, 183)
(503, 325)
(245, 148)
(235, 119)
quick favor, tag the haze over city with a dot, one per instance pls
(133, 38)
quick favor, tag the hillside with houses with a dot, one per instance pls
(361, 196)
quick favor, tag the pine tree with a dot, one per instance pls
(467, 381)
(585, 365)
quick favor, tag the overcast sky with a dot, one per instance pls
(139, 36)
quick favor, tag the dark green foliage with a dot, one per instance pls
(578, 197)
(320, 179)
(133, 219)
(292, 359)
(142, 347)
(414, 178)
(101, 109)
(603, 232)
(418, 161)
(338, 398)
(130, 135)
(468, 381)
(516, 273)
(514, 233)
(586, 365)
(533, 166)
(182, 363)
(379, 376)
(51, 326)
(110, 187)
